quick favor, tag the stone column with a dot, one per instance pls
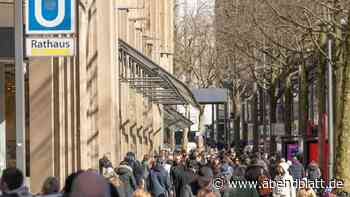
(41, 128)
(2, 119)
(108, 75)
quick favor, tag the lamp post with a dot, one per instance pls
(20, 108)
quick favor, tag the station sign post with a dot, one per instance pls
(50, 28)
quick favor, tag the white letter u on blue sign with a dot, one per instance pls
(50, 23)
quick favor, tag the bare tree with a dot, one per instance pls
(195, 52)
(285, 35)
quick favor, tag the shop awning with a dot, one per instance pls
(151, 80)
(173, 118)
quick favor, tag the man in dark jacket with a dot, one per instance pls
(254, 170)
(159, 180)
(296, 169)
(238, 176)
(126, 175)
(177, 172)
(257, 172)
(12, 184)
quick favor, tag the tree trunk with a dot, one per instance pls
(256, 133)
(185, 139)
(273, 104)
(288, 116)
(339, 108)
(237, 135)
(185, 131)
(343, 148)
(321, 100)
(244, 124)
(273, 118)
(201, 129)
(303, 105)
(236, 110)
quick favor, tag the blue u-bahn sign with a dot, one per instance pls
(50, 16)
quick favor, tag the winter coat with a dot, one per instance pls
(286, 190)
(296, 170)
(313, 172)
(177, 174)
(189, 185)
(253, 172)
(186, 191)
(19, 192)
(241, 192)
(159, 181)
(140, 175)
(126, 175)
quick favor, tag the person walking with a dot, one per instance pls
(51, 186)
(204, 182)
(177, 173)
(188, 179)
(296, 169)
(305, 190)
(286, 189)
(104, 163)
(90, 184)
(12, 184)
(68, 184)
(159, 180)
(313, 171)
(126, 175)
(141, 193)
(238, 176)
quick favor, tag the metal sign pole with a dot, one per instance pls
(20, 108)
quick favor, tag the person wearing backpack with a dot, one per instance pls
(313, 171)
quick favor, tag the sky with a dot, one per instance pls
(191, 4)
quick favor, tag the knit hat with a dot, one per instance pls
(285, 167)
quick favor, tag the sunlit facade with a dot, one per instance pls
(78, 109)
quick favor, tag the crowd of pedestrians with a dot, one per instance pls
(178, 174)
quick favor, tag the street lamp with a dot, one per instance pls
(20, 106)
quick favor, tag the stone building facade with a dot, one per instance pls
(79, 109)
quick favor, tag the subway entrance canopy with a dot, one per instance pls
(207, 96)
(151, 80)
(175, 119)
